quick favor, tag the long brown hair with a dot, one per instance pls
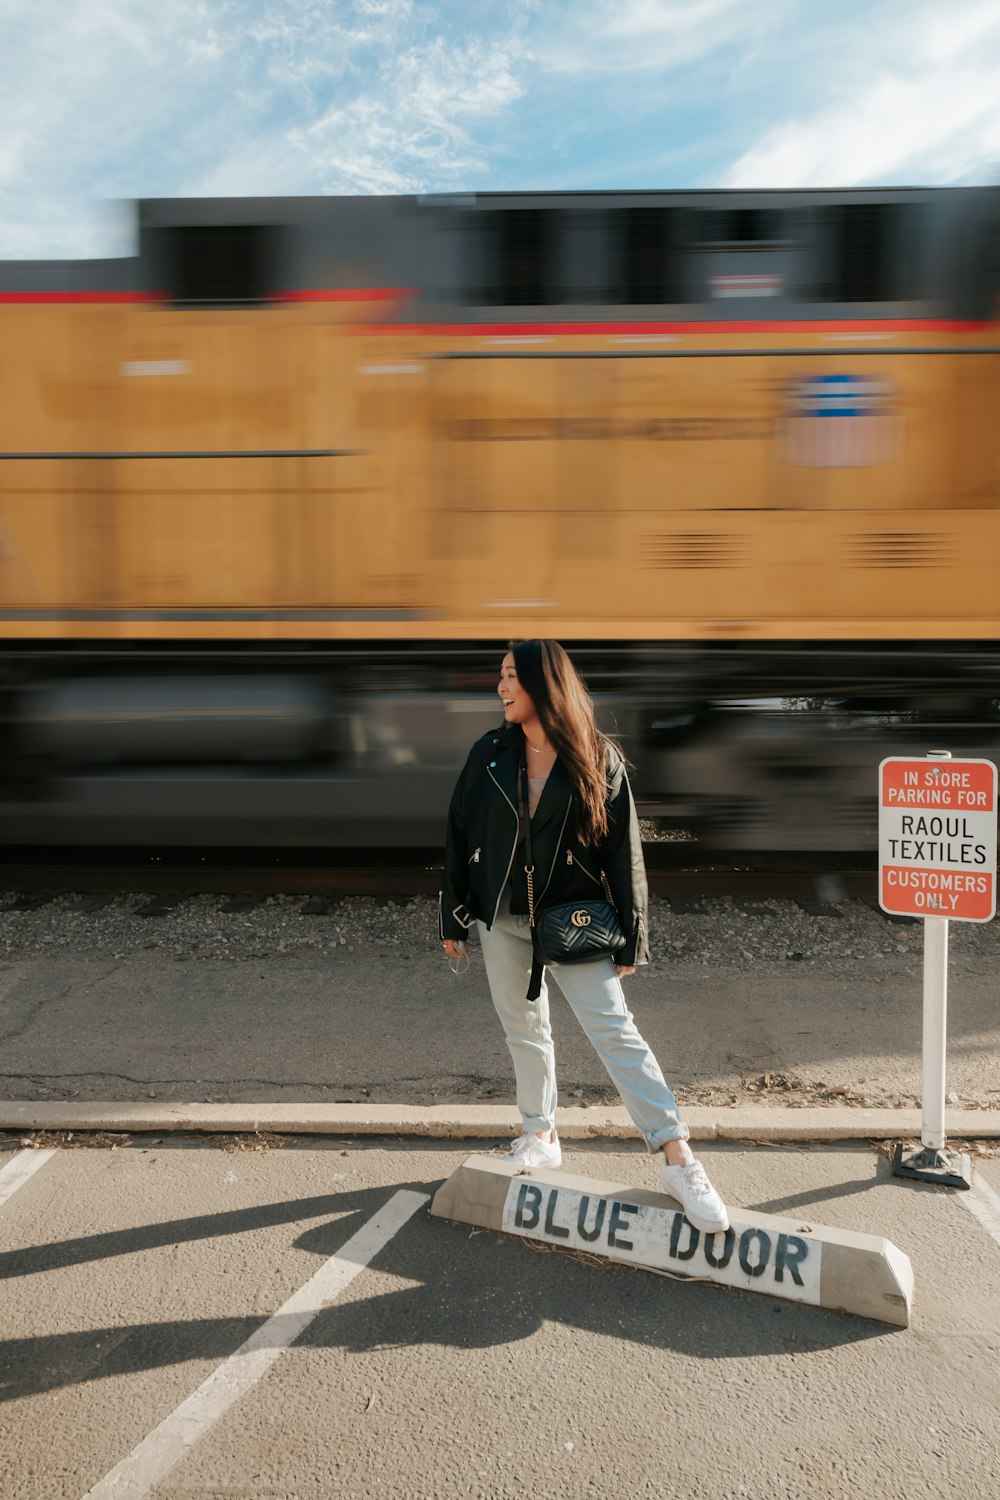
(566, 712)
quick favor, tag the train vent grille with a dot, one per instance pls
(695, 549)
(900, 549)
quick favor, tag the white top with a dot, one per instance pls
(535, 785)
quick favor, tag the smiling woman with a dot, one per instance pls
(560, 831)
(519, 708)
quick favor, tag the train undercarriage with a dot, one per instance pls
(768, 746)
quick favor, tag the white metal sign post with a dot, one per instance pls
(937, 838)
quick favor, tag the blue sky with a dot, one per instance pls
(110, 100)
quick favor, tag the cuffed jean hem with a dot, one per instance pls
(661, 1138)
(535, 1125)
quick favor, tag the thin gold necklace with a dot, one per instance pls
(540, 751)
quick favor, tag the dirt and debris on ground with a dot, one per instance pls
(209, 1000)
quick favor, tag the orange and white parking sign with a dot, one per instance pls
(937, 838)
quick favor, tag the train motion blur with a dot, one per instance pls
(276, 490)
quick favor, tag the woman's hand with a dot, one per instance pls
(622, 970)
(455, 950)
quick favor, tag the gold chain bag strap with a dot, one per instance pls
(568, 932)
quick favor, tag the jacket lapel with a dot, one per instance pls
(507, 763)
(558, 788)
(556, 792)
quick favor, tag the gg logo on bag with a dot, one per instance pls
(581, 918)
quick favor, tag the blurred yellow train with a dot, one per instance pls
(274, 491)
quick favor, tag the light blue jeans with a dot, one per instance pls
(595, 995)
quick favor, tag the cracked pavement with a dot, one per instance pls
(380, 1027)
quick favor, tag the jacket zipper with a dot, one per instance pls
(581, 866)
(570, 860)
(513, 847)
(539, 898)
(474, 857)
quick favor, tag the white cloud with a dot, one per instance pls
(50, 227)
(119, 99)
(13, 148)
(235, 97)
(414, 132)
(942, 33)
(99, 92)
(644, 36)
(928, 117)
(210, 49)
(247, 163)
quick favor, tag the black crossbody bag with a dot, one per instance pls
(570, 932)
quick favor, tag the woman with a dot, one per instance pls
(583, 822)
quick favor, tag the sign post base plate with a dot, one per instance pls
(925, 1164)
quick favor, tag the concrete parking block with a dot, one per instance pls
(783, 1257)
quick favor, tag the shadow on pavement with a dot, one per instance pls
(473, 1291)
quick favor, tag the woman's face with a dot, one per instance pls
(518, 707)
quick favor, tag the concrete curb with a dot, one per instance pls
(482, 1121)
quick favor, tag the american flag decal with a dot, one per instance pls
(839, 421)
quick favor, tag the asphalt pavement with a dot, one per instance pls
(392, 1028)
(274, 1314)
(181, 1320)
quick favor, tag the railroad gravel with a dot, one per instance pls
(211, 928)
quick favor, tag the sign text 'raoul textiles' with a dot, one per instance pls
(938, 838)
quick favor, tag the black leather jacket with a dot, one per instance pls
(482, 851)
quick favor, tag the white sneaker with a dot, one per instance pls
(533, 1151)
(696, 1195)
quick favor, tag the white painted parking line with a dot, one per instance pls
(982, 1201)
(17, 1171)
(177, 1434)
